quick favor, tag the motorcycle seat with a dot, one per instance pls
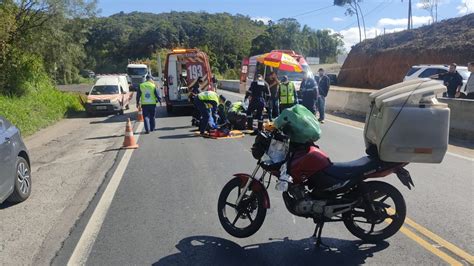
(353, 169)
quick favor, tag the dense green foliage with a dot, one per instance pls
(226, 38)
(61, 37)
(39, 36)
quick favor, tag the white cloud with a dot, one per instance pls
(351, 35)
(420, 4)
(337, 19)
(265, 20)
(466, 7)
(417, 21)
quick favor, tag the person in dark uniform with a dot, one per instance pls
(258, 91)
(195, 89)
(309, 91)
(223, 110)
(273, 108)
(452, 80)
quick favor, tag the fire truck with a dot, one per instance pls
(182, 68)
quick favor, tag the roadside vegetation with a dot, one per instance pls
(226, 38)
(38, 109)
(41, 44)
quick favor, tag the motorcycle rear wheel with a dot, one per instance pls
(251, 203)
(392, 215)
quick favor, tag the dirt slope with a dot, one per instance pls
(383, 61)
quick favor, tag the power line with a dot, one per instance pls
(312, 11)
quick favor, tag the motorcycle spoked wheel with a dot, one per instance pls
(245, 219)
(390, 213)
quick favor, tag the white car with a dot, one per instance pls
(426, 71)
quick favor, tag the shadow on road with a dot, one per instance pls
(173, 128)
(177, 112)
(208, 250)
(117, 118)
(6, 205)
(180, 136)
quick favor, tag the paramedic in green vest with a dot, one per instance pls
(207, 102)
(287, 93)
(237, 116)
(147, 98)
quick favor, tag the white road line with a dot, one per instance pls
(460, 156)
(342, 124)
(361, 129)
(88, 237)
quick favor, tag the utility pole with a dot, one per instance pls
(410, 17)
(410, 22)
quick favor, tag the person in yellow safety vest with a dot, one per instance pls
(206, 102)
(148, 97)
(237, 116)
(287, 93)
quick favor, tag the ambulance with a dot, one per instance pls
(250, 69)
(182, 68)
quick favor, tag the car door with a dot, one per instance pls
(6, 160)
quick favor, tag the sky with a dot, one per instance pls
(380, 15)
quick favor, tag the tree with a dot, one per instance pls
(48, 32)
(432, 7)
(353, 7)
(287, 34)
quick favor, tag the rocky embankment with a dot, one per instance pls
(383, 61)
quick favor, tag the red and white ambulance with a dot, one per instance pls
(182, 68)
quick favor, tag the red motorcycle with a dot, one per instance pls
(320, 190)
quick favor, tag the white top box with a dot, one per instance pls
(407, 123)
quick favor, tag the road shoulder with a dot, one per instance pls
(70, 161)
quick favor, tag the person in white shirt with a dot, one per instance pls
(469, 92)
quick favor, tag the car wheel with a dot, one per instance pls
(22, 188)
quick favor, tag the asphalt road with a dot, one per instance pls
(164, 210)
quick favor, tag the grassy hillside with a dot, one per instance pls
(38, 108)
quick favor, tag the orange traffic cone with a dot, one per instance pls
(129, 141)
(140, 115)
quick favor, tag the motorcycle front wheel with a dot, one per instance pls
(243, 219)
(388, 215)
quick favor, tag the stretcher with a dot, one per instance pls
(234, 134)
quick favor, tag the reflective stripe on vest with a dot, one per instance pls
(287, 93)
(148, 96)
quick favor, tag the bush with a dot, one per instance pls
(21, 73)
(40, 107)
(232, 74)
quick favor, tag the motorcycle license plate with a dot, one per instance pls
(101, 107)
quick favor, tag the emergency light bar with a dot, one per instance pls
(179, 50)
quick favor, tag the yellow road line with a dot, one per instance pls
(430, 247)
(461, 253)
(422, 230)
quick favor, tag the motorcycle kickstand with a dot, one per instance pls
(317, 234)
